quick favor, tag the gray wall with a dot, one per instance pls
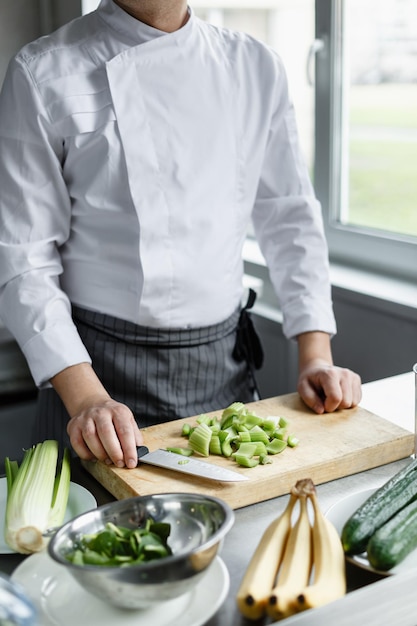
(22, 21)
(375, 338)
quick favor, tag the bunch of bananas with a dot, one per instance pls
(296, 565)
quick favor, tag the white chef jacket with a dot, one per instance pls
(131, 162)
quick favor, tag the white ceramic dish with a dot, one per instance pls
(60, 601)
(340, 512)
(80, 500)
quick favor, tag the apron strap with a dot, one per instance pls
(248, 345)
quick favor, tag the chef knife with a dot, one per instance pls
(187, 465)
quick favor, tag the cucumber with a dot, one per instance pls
(383, 504)
(391, 543)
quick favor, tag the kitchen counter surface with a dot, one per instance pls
(391, 398)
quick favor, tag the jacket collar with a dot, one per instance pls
(135, 31)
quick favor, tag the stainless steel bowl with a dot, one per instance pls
(198, 526)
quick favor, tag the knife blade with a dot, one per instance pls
(187, 465)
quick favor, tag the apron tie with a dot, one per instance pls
(248, 346)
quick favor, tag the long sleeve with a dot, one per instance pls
(288, 225)
(34, 222)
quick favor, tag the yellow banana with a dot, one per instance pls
(259, 578)
(329, 581)
(295, 567)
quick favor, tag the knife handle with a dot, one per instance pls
(142, 450)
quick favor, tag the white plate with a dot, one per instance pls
(60, 601)
(340, 512)
(80, 500)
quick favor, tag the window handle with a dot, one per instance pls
(317, 46)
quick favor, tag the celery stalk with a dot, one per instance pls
(61, 492)
(37, 496)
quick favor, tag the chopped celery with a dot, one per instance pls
(247, 449)
(276, 446)
(229, 433)
(268, 426)
(227, 423)
(204, 419)
(251, 420)
(292, 441)
(186, 429)
(244, 435)
(260, 448)
(226, 446)
(246, 461)
(237, 427)
(199, 440)
(215, 427)
(279, 433)
(265, 459)
(179, 450)
(257, 434)
(215, 446)
(234, 409)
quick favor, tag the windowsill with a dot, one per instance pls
(371, 284)
(363, 282)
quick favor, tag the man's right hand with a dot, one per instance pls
(99, 427)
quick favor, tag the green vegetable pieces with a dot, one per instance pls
(120, 547)
(240, 434)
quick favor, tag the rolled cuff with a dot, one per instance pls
(53, 350)
(308, 315)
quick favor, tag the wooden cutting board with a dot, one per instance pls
(331, 446)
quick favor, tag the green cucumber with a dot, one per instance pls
(383, 504)
(391, 543)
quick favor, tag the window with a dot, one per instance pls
(366, 129)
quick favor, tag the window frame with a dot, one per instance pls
(373, 250)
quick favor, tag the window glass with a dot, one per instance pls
(380, 113)
(89, 5)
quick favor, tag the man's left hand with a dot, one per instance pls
(326, 388)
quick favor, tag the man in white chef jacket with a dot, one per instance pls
(136, 144)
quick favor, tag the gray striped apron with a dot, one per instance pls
(160, 374)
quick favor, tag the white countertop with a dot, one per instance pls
(392, 398)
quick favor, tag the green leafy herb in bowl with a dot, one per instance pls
(120, 547)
